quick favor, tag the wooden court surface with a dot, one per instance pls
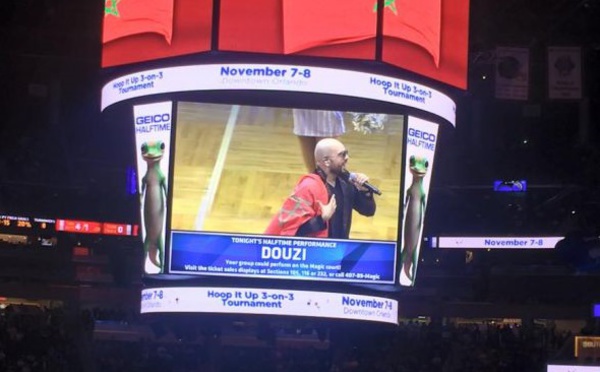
(234, 166)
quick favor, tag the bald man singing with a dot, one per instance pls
(322, 202)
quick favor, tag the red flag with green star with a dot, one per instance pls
(130, 17)
(313, 23)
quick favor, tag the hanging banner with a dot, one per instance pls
(512, 73)
(564, 73)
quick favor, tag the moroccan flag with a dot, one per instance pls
(300, 206)
(416, 21)
(130, 17)
(313, 23)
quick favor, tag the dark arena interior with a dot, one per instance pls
(508, 254)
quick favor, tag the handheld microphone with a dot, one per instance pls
(352, 177)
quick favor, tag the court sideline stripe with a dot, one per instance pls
(213, 185)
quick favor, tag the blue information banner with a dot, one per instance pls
(283, 257)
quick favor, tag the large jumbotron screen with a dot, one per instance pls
(427, 37)
(234, 167)
(223, 153)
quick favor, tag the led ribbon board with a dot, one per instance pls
(269, 302)
(495, 242)
(288, 78)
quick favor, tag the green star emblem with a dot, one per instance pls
(388, 4)
(110, 8)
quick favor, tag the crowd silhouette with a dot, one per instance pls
(34, 338)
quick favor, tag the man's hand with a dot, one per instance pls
(327, 210)
(358, 180)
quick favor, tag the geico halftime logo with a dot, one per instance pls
(153, 123)
(412, 132)
(153, 119)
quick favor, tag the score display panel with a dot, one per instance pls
(218, 155)
(39, 224)
(23, 223)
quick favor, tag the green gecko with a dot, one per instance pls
(388, 4)
(154, 197)
(414, 210)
